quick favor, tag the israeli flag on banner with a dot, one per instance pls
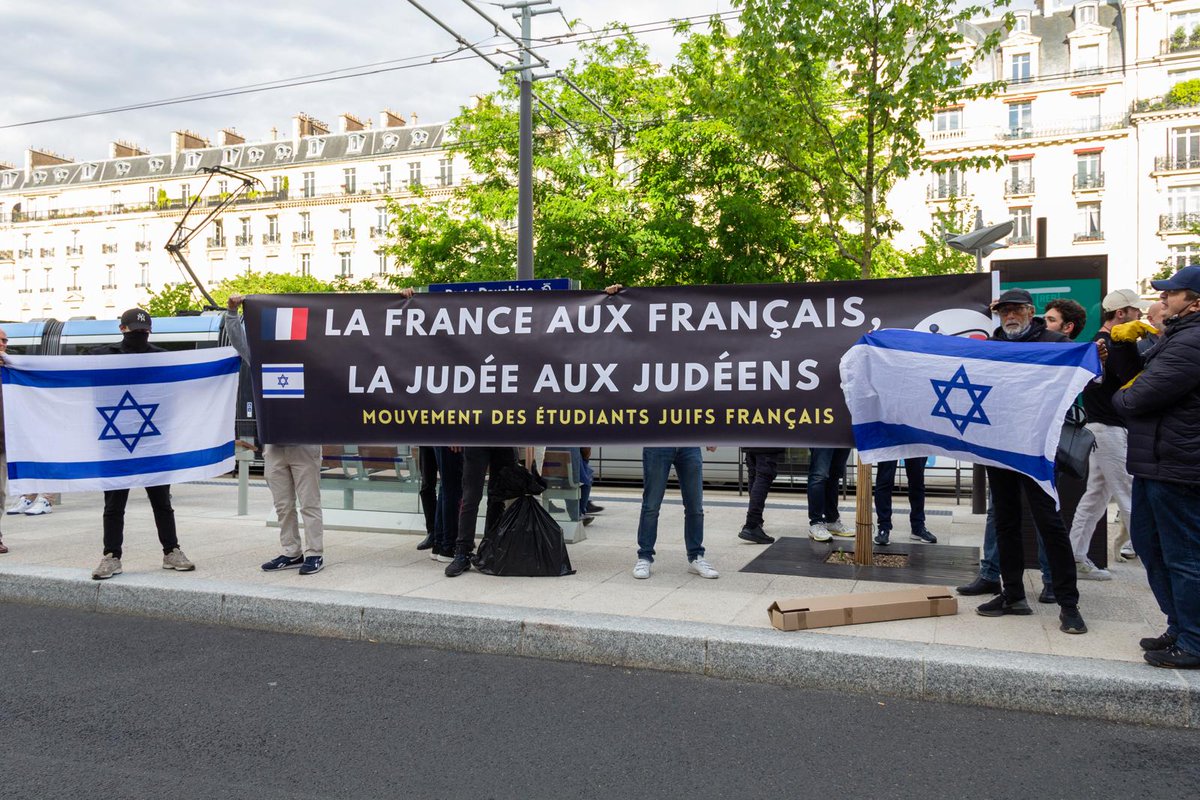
(283, 380)
(996, 403)
(86, 423)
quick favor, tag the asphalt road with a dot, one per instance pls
(121, 707)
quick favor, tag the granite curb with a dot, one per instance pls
(1094, 688)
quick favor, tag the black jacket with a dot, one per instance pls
(1162, 407)
(1037, 333)
(131, 342)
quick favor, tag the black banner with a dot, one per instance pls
(739, 365)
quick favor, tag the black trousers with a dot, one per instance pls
(114, 518)
(1007, 489)
(476, 462)
(427, 460)
(761, 469)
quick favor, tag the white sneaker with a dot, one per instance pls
(838, 529)
(819, 532)
(39, 506)
(641, 570)
(703, 568)
(20, 507)
(1127, 552)
(1086, 570)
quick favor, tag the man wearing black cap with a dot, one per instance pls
(1018, 324)
(1161, 406)
(135, 330)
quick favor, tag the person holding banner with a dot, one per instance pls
(761, 469)
(3, 461)
(293, 473)
(656, 469)
(135, 338)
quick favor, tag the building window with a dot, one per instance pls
(445, 172)
(1085, 15)
(347, 222)
(1183, 201)
(110, 276)
(414, 174)
(306, 263)
(74, 287)
(1088, 112)
(185, 193)
(1087, 171)
(1020, 176)
(1022, 225)
(948, 120)
(245, 265)
(385, 177)
(1020, 68)
(381, 220)
(383, 263)
(347, 272)
(273, 227)
(144, 274)
(1089, 223)
(1021, 24)
(1185, 147)
(277, 185)
(349, 180)
(310, 184)
(1185, 255)
(1087, 59)
(305, 223)
(151, 196)
(1020, 119)
(947, 184)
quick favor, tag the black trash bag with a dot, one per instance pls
(514, 481)
(526, 542)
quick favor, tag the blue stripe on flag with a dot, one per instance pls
(274, 392)
(128, 376)
(268, 324)
(75, 470)
(1050, 354)
(877, 435)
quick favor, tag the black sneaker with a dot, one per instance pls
(460, 564)
(283, 562)
(1172, 658)
(755, 535)
(426, 543)
(592, 508)
(587, 519)
(1047, 594)
(883, 538)
(998, 606)
(1164, 642)
(312, 565)
(1070, 620)
(980, 585)
(923, 536)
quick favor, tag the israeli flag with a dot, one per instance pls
(996, 403)
(283, 381)
(86, 423)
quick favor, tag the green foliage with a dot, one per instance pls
(162, 201)
(1184, 94)
(177, 297)
(173, 298)
(836, 98)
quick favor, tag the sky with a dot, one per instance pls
(68, 57)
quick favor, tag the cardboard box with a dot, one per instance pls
(803, 613)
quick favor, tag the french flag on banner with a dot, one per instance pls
(285, 324)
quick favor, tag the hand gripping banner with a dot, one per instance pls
(750, 365)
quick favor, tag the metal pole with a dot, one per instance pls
(525, 167)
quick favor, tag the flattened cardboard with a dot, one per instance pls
(802, 613)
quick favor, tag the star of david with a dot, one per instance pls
(129, 439)
(960, 382)
(282, 380)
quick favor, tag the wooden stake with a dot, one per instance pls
(863, 553)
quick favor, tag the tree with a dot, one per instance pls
(667, 195)
(835, 94)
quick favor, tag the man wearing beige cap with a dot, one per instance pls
(1107, 477)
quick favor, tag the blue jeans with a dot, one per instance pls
(885, 484)
(1165, 531)
(826, 469)
(989, 566)
(656, 468)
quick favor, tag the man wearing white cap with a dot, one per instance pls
(1108, 478)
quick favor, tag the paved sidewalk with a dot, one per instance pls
(379, 586)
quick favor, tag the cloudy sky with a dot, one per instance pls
(68, 57)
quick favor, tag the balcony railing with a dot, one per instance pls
(1183, 222)
(47, 252)
(1179, 44)
(6, 255)
(142, 285)
(28, 253)
(1090, 236)
(1020, 187)
(343, 234)
(24, 291)
(946, 191)
(75, 250)
(349, 188)
(108, 248)
(216, 241)
(46, 289)
(378, 232)
(1015, 241)
(1087, 181)
(1082, 125)
(299, 237)
(271, 238)
(74, 289)
(140, 246)
(109, 286)
(1173, 163)
(243, 240)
